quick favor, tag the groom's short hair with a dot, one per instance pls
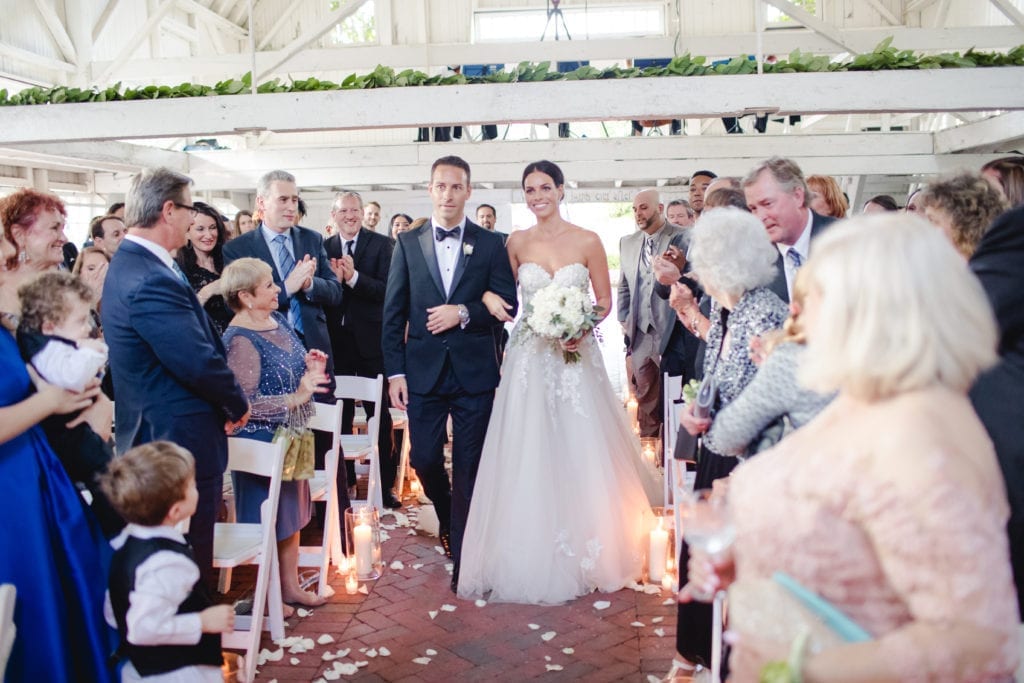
(457, 162)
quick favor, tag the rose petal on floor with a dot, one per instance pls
(548, 636)
(364, 590)
(602, 604)
(430, 652)
(397, 565)
(421, 660)
(638, 624)
(293, 661)
(533, 627)
(553, 667)
(384, 652)
(660, 632)
(480, 603)
(303, 612)
(432, 613)
(657, 620)
(568, 651)
(324, 639)
(448, 608)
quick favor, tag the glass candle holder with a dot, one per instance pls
(362, 531)
(661, 546)
(650, 449)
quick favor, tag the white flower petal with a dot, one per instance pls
(432, 613)
(602, 604)
(553, 667)
(303, 612)
(371, 653)
(568, 651)
(670, 601)
(346, 669)
(364, 590)
(533, 627)
(448, 608)
(480, 603)
(660, 632)
(421, 660)
(548, 636)
(431, 652)
(343, 652)
(657, 620)
(397, 565)
(547, 658)
(324, 639)
(418, 565)
(384, 652)
(327, 656)
(439, 549)
(293, 661)
(331, 675)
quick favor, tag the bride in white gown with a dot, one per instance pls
(561, 503)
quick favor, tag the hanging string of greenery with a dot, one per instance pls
(883, 57)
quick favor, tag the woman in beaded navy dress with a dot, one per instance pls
(561, 505)
(279, 378)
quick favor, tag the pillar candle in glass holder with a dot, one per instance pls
(656, 553)
(631, 409)
(351, 584)
(345, 565)
(414, 486)
(363, 536)
(666, 581)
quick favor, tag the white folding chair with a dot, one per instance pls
(364, 446)
(236, 544)
(324, 487)
(675, 470)
(8, 631)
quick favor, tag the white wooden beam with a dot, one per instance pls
(884, 12)
(283, 19)
(918, 5)
(110, 156)
(810, 21)
(101, 21)
(33, 59)
(1010, 11)
(56, 29)
(365, 58)
(986, 134)
(174, 27)
(641, 98)
(132, 44)
(302, 42)
(208, 16)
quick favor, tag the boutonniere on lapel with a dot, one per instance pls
(467, 249)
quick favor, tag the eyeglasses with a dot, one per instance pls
(191, 209)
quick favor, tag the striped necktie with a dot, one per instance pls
(284, 257)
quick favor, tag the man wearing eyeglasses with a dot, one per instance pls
(167, 362)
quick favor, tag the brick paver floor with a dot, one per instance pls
(409, 627)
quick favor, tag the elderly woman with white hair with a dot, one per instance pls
(889, 504)
(732, 257)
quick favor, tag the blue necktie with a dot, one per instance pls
(794, 259)
(284, 257)
(179, 272)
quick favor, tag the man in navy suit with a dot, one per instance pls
(360, 258)
(168, 364)
(449, 364)
(297, 257)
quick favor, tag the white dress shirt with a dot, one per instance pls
(447, 252)
(802, 246)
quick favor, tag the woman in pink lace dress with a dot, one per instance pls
(889, 504)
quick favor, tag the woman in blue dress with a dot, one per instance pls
(51, 548)
(279, 377)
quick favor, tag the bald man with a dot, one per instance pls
(647, 319)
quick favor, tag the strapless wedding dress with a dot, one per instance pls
(561, 503)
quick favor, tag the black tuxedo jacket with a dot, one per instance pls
(326, 290)
(362, 306)
(414, 285)
(819, 224)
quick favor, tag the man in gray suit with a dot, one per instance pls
(647, 319)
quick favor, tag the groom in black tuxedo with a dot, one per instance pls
(448, 364)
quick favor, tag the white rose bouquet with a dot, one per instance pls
(562, 314)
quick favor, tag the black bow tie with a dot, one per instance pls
(443, 234)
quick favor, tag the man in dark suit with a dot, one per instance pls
(297, 257)
(777, 194)
(449, 364)
(360, 258)
(167, 361)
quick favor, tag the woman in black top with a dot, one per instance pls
(202, 261)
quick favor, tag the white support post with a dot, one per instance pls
(884, 12)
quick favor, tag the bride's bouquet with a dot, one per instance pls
(562, 314)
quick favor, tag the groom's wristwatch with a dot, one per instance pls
(463, 316)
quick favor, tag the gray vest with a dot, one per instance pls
(645, 315)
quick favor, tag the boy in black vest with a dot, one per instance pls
(163, 612)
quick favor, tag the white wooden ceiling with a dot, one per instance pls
(885, 130)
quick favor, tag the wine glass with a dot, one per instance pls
(707, 528)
